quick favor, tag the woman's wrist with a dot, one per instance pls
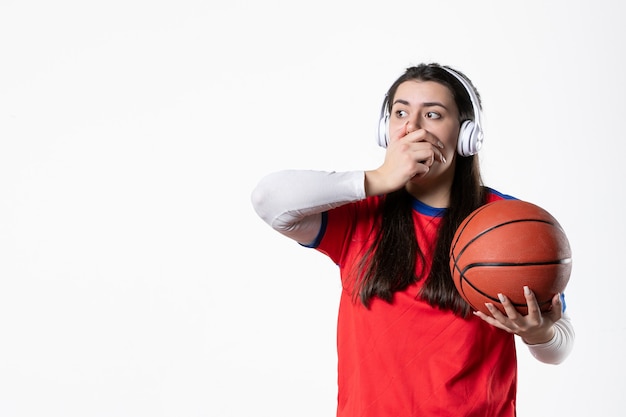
(540, 338)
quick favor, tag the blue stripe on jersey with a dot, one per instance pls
(498, 193)
(427, 210)
(438, 212)
(320, 234)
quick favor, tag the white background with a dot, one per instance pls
(135, 277)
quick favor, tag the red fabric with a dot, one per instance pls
(408, 358)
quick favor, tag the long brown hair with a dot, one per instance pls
(390, 263)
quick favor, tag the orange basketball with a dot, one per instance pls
(505, 245)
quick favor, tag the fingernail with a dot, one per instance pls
(440, 144)
(502, 297)
(443, 159)
(527, 290)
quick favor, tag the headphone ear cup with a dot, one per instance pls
(470, 139)
(465, 135)
(383, 131)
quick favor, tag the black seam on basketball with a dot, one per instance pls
(467, 222)
(494, 299)
(489, 297)
(496, 227)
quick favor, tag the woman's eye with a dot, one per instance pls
(432, 115)
(401, 113)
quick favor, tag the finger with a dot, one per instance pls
(437, 147)
(531, 301)
(557, 303)
(508, 306)
(483, 315)
(492, 320)
(497, 313)
(398, 133)
(556, 311)
(429, 155)
(421, 135)
(429, 161)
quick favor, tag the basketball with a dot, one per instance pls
(506, 245)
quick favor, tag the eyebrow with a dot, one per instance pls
(426, 104)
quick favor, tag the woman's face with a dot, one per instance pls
(430, 106)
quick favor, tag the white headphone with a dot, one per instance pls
(471, 133)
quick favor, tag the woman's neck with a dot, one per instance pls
(435, 194)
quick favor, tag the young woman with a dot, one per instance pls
(408, 345)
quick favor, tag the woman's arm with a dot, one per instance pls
(292, 201)
(559, 347)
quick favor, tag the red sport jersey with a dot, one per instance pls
(407, 358)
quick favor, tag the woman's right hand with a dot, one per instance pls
(409, 155)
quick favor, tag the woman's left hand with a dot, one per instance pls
(533, 328)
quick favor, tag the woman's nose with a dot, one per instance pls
(411, 126)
